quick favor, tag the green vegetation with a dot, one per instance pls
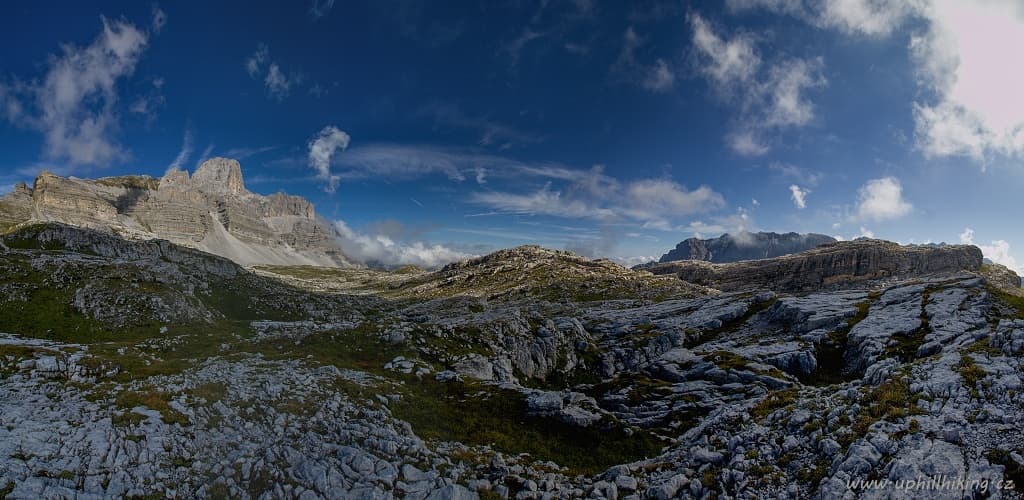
(774, 401)
(211, 392)
(1013, 470)
(889, 401)
(1014, 303)
(480, 415)
(969, 371)
(154, 400)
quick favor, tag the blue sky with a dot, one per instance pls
(429, 131)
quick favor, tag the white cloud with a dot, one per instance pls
(965, 56)
(593, 195)
(321, 149)
(769, 97)
(383, 250)
(205, 155)
(866, 233)
(796, 174)
(799, 196)
(728, 62)
(871, 18)
(481, 175)
(320, 8)
(747, 144)
(655, 77)
(75, 105)
(184, 154)
(278, 85)
(881, 199)
(254, 63)
(159, 19)
(968, 58)
(998, 251)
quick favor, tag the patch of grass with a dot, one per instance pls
(480, 415)
(969, 371)
(1012, 470)
(127, 418)
(1012, 304)
(984, 347)
(154, 400)
(7, 489)
(210, 391)
(813, 474)
(889, 401)
(358, 348)
(727, 360)
(774, 401)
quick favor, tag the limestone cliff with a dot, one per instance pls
(828, 266)
(211, 211)
(744, 246)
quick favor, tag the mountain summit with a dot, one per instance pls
(211, 211)
(744, 246)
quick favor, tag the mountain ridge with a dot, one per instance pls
(210, 210)
(744, 246)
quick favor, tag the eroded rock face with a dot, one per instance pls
(828, 266)
(211, 211)
(744, 246)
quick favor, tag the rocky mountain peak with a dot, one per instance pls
(219, 175)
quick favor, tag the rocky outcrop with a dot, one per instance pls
(828, 266)
(210, 211)
(16, 206)
(744, 246)
(530, 271)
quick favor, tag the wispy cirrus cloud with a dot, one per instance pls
(657, 76)
(492, 132)
(277, 83)
(590, 194)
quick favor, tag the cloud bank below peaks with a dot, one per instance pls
(381, 250)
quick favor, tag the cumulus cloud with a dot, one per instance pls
(320, 8)
(866, 233)
(382, 250)
(322, 148)
(278, 85)
(799, 196)
(882, 199)
(968, 59)
(998, 251)
(965, 60)
(769, 98)
(75, 105)
(655, 77)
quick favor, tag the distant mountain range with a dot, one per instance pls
(744, 246)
